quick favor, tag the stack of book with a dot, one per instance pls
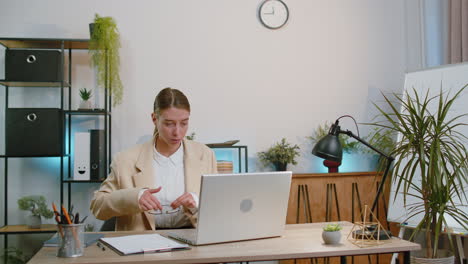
(224, 166)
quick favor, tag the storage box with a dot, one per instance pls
(29, 65)
(34, 132)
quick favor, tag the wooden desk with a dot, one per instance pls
(298, 241)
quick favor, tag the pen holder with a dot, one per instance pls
(71, 240)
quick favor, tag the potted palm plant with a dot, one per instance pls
(105, 57)
(37, 206)
(280, 155)
(431, 146)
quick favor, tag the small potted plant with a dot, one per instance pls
(85, 95)
(281, 154)
(37, 205)
(332, 233)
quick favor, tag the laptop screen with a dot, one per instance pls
(242, 206)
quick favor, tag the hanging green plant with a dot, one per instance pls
(104, 49)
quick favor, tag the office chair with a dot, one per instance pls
(109, 225)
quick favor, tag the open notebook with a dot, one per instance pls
(136, 244)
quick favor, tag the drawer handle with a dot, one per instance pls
(31, 117)
(31, 59)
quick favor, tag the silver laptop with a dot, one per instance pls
(240, 206)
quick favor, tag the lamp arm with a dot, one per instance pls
(349, 133)
(389, 158)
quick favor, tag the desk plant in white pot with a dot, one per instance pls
(85, 95)
(332, 233)
(37, 206)
(280, 155)
(429, 145)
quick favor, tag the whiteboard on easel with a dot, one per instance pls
(450, 78)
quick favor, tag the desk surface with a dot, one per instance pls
(298, 241)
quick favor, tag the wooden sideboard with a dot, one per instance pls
(337, 188)
(328, 197)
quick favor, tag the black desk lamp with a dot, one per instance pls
(329, 148)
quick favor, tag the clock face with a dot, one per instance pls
(273, 13)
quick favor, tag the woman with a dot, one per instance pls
(156, 184)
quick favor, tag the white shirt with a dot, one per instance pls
(169, 173)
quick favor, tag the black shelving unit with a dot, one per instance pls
(63, 45)
(241, 151)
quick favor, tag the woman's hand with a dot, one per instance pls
(148, 201)
(185, 199)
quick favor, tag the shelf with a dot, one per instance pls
(241, 151)
(44, 43)
(87, 112)
(33, 84)
(35, 156)
(24, 229)
(81, 181)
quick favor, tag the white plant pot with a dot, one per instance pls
(331, 237)
(85, 105)
(33, 222)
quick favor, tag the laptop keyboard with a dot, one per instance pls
(189, 236)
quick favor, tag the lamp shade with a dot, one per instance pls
(329, 148)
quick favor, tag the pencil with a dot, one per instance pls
(67, 217)
(57, 218)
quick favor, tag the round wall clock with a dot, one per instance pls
(273, 13)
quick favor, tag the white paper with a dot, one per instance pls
(143, 243)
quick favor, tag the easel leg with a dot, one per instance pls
(460, 248)
(400, 235)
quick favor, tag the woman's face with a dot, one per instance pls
(172, 125)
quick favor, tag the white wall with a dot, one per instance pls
(244, 81)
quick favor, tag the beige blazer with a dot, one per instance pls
(132, 170)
